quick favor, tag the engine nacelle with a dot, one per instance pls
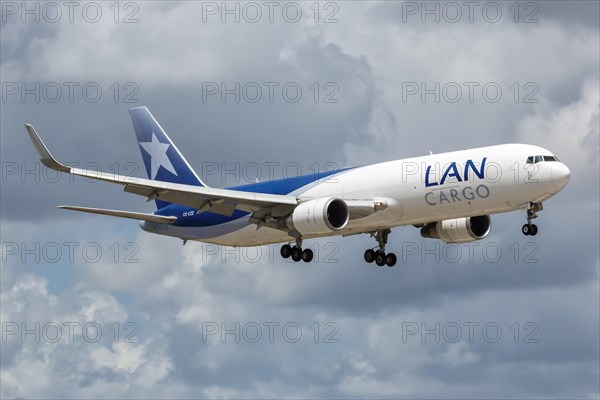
(459, 230)
(322, 215)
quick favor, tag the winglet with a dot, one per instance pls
(43, 153)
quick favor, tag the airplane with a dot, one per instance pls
(449, 196)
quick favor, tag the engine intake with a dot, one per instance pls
(459, 230)
(322, 215)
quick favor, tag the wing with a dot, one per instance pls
(124, 214)
(220, 201)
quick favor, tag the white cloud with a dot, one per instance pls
(573, 130)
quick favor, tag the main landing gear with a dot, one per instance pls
(530, 229)
(296, 252)
(379, 256)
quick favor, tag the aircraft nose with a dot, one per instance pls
(560, 175)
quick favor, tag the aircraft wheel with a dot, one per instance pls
(307, 255)
(380, 259)
(296, 253)
(390, 259)
(286, 251)
(534, 230)
(526, 229)
(369, 256)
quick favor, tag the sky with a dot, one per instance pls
(93, 307)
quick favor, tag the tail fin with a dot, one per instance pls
(161, 157)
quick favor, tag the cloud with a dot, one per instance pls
(544, 289)
(572, 129)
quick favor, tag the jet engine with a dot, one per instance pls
(322, 215)
(458, 230)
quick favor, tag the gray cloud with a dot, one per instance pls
(170, 290)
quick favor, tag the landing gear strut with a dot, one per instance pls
(296, 252)
(379, 256)
(530, 229)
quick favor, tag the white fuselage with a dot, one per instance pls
(416, 191)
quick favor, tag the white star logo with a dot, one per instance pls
(158, 156)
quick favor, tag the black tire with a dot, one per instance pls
(307, 255)
(534, 230)
(380, 259)
(369, 256)
(526, 229)
(286, 251)
(296, 253)
(390, 259)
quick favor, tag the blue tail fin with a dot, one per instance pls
(161, 157)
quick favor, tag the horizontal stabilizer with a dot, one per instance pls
(124, 214)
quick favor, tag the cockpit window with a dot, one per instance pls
(537, 159)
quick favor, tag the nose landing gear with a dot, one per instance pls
(530, 229)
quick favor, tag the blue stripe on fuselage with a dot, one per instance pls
(279, 186)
